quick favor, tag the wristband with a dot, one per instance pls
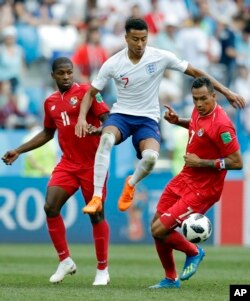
(220, 164)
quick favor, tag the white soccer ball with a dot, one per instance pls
(196, 228)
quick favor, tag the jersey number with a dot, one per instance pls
(187, 213)
(65, 118)
(191, 136)
(125, 79)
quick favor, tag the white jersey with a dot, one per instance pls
(138, 84)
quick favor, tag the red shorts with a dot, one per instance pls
(180, 200)
(71, 177)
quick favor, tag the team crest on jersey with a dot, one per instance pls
(73, 100)
(151, 68)
(52, 108)
(200, 132)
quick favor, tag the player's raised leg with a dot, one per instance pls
(126, 198)
(143, 168)
(192, 263)
(102, 161)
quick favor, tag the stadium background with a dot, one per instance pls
(43, 31)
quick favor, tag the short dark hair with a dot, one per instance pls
(59, 61)
(135, 23)
(203, 81)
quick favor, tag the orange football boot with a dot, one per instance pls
(95, 205)
(126, 198)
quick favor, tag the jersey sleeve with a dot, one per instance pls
(226, 139)
(48, 121)
(175, 63)
(99, 107)
(103, 76)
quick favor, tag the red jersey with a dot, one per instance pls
(89, 58)
(61, 113)
(155, 21)
(210, 137)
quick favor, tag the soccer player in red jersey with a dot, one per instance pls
(75, 169)
(212, 149)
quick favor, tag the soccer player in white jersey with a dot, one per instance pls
(137, 71)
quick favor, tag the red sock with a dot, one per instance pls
(178, 242)
(57, 234)
(101, 238)
(165, 254)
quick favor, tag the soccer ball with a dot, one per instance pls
(196, 228)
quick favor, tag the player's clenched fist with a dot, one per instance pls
(9, 157)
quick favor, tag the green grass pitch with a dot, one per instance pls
(26, 268)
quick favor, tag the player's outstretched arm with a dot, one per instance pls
(172, 117)
(236, 100)
(10, 156)
(81, 127)
(40, 139)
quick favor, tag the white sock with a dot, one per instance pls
(102, 160)
(144, 166)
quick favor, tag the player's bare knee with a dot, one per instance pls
(164, 224)
(154, 230)
(157, 229)
(150, 157)
(107, 141)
